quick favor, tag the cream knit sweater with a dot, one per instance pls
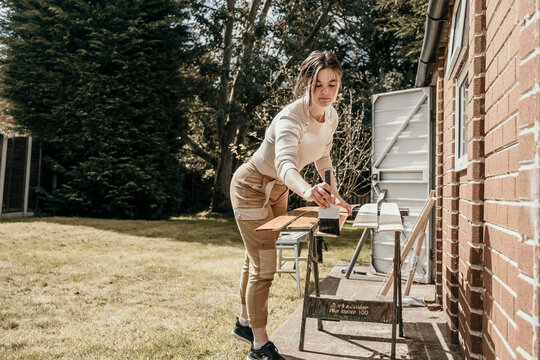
(294, 139)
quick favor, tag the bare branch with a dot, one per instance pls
(200, 152)
(316, 28)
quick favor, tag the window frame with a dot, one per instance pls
(458, 44)
(461, 123)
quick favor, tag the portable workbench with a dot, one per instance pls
(388, 218)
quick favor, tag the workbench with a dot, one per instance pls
(388, 218)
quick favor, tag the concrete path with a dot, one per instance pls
(424, 330)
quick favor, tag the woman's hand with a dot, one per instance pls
(319, 194)
(342, 203)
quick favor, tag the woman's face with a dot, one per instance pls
(325, 90)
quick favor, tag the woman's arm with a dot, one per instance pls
(334, 190)
(318, 193)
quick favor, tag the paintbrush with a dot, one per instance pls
(329, 217)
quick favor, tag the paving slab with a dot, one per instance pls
(424, 331)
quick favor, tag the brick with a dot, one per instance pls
(528, 39)
(475, 278)
(509, 131)
(525, 258)
(475, 149)
(525, 330)
(451, 304)
(509, 75)
(479, 62)
(528, 110)
(450, 191)
(495, 188)
(513, 218)
(450, 247)
(488, 284)
(500, 269)
(450, 204)
(513, 157)
(500, 321)
(512, 335)
(526, 226)
(478, 86)
(450, 218)
(524, 296)
(523, 185)
(507, 244)
(509, 188)
(498, 138)
(508, 302)
(487, 351)
(513, 99)
(479, 24)
(525, 8)
(502, 214)
(530, 67)
(512, 274)
(526, 147)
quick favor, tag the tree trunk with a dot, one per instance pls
(230, 127)
(221, 199)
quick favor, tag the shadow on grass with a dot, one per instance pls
(203, 229)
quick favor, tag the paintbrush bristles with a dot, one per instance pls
(329, 226)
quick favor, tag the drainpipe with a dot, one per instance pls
(436, 15)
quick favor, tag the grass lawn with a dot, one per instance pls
(73, 288)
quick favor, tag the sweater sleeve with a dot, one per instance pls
(288, 133)
(325, 162)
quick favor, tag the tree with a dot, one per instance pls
(99, 83)
(405, 19)
(245, 57)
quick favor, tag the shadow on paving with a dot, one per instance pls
(425, 335)
(420, 342)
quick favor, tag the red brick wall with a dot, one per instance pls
(487, 215)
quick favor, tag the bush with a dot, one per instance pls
(98, 82)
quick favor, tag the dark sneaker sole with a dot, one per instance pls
(240, 337)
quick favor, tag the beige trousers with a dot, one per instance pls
(257, 199)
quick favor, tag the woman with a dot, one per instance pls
(300, 134)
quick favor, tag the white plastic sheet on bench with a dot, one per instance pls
(390, 218)
(366, 217)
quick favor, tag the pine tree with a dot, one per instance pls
(98, 83)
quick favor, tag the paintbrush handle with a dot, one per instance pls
(328, 177)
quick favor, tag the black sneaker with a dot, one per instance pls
(243, 333)
(267, 352)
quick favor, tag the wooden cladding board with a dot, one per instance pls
(366, 216)
(390, 218)
(353, 310)
(303, 218)
(278, 223)
(306, 221)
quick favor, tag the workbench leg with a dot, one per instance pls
(395, 292)
(316, 279)
(400, 298)
(311, 241)
(357, 252)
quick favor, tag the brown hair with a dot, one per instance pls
(309, 70)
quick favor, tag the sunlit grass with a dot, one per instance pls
(73, 288)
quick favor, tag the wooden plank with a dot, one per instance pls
(419, 225)
(366, 217)
(278, 223)
(414, 263)
(390, 219)
(305, 222)
(353, 310)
